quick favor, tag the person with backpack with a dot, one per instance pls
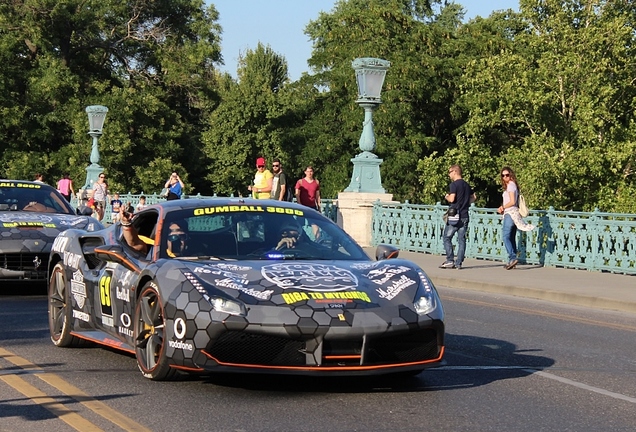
(282, 190)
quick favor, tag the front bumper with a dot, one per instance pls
(356, 354)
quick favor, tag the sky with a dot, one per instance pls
(280, 24)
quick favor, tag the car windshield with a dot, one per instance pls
(242, 232)
(38, 198)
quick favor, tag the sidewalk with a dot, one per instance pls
(576, 287)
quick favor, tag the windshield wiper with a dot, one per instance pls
(204, 257)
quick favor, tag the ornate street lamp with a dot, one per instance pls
(96, 118)
(370, 73)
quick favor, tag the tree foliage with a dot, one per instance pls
(151, 63)
(250, 121)
(558, 103)
(548, 90)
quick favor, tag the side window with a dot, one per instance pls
(146, 228)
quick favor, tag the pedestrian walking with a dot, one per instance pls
(512, 220)
(459, 197)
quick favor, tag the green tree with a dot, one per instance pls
(151, 63)
(415, 118)
(557, 104)
(250, 121)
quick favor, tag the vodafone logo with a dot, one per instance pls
(179, 328)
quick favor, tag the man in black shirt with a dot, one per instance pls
(281, 191)
(460, 197)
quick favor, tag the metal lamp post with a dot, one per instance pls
(370, 73)
(96, 118)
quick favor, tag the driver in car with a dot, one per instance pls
(289, 237)
(177, 239)
(293, 237)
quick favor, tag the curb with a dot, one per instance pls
(538, 294)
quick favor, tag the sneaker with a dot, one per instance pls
(512, 264)
(447, 264)
(458, 266)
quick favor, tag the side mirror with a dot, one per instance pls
(385, 251)
(84, 211)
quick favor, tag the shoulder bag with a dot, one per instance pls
(523, 208)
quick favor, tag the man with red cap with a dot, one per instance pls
(263, 178)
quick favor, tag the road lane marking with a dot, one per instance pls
(96, 406)
(543, 374)
(53, 380)
(72, 419)
(545, 314)
(583, 386)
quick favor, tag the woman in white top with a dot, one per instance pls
(508, 209)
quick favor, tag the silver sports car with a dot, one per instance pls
(246, 286)
(31, 216)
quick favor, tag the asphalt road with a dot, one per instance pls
(512, 364)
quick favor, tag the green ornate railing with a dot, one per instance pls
(593, 241)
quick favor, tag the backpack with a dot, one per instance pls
(289, 190)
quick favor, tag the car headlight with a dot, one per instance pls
(424, 305)
(227, 306)
(426, 299)
(219, 303)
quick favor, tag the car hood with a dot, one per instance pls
(328, 282)
(17, 225)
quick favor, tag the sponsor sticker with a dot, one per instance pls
(326, 297)
(179, 328)
(78, 288)
(122, 294)
(246, 208)
(389, 292)
(384, 274)
(60, 243)
(28, 225)
(124, 328)
(310, 277)
(20, 185)
(105, 299)
(72, 260)
(83, 316)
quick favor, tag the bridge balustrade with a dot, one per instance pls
(594, 241)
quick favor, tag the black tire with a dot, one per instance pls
(61, 309)
(150, 335)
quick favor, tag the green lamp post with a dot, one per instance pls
(370, 73)
(96, 118)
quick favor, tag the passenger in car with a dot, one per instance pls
(139, 243)
(177, 237)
